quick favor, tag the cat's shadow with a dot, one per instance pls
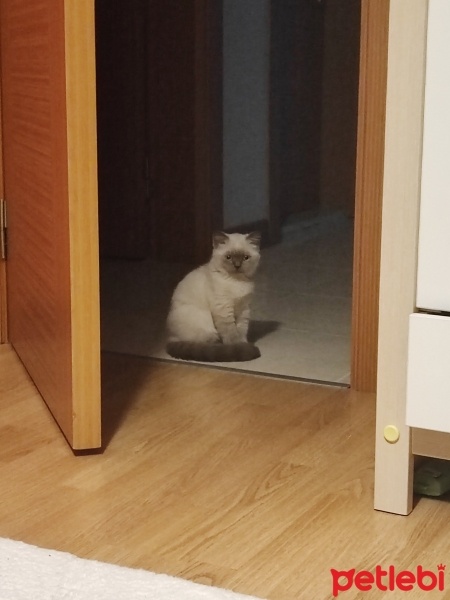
(259, 329)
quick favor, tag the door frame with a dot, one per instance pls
(369, 193)
(369, 176)
(3, 307)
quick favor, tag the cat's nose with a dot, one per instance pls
(237, 264)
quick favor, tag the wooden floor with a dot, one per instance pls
(239, 481)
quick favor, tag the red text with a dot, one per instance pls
(388, 579)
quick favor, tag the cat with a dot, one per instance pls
(210, 309)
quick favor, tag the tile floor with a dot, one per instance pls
(301, 312)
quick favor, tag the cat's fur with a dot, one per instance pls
(210, 309)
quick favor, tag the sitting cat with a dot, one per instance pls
(209, 313)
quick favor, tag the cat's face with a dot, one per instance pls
(236, 253)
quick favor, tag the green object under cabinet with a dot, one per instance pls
(432, 478)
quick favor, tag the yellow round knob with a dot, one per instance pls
(391, 434)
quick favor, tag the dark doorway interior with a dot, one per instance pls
(178, 103)
(159, 125)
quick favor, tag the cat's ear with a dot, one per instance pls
(254, 238)
(219, 237)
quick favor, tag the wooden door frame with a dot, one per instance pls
(209, 208)
(3, 307)
(369, 193)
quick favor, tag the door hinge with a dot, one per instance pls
(3, 229)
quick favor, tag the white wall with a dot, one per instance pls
(246, 30)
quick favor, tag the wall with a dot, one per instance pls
(290, 76)
(246, 31)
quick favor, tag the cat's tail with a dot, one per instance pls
(203, 352)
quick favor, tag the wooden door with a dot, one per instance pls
(184, 83)
(50, 171)
(159, 100)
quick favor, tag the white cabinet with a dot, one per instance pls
(433, 279)
(428, 389)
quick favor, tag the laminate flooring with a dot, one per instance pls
(245, 482)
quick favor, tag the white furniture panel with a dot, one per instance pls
(433, 284)
(428, 384)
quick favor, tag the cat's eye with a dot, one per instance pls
(228, 257)
(246, 257)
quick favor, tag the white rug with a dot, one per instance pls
(31, 573)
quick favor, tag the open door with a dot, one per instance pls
(50, 177)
